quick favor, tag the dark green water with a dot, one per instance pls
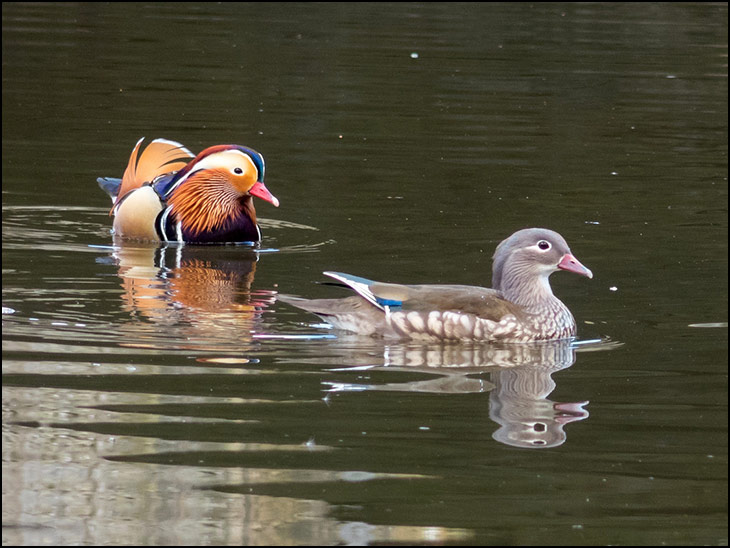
(167, 397)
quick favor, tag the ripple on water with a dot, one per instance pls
(146, 297)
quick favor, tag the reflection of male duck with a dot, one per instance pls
(204, 289)
(520, 381)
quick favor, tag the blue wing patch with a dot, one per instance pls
(362, 286)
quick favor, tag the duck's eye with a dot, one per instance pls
(238, 171)
(542, 244)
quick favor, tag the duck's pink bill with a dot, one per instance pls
(571, 264)
(260, 191)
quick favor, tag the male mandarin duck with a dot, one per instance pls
(519, 308)
(168, 194)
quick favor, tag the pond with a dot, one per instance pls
(165, 395)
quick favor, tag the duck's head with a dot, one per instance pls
(239, 168)
(528, 257)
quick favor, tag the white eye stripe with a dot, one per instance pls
(216, 161)
(227, 157)
(230, 159)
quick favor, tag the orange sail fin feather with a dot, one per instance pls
(168, 194)
(158, 158)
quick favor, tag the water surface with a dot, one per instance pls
(164, 396)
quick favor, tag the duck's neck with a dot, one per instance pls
(530, 292)
(211, 206)
(535, 296)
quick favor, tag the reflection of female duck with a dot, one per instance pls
(519, 402)
(168, 195)
(520, 381)
(204, 288)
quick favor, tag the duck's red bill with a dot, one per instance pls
(260, 191)
(571, 264)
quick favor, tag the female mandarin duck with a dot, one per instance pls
(519, 308)
(168, 194)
